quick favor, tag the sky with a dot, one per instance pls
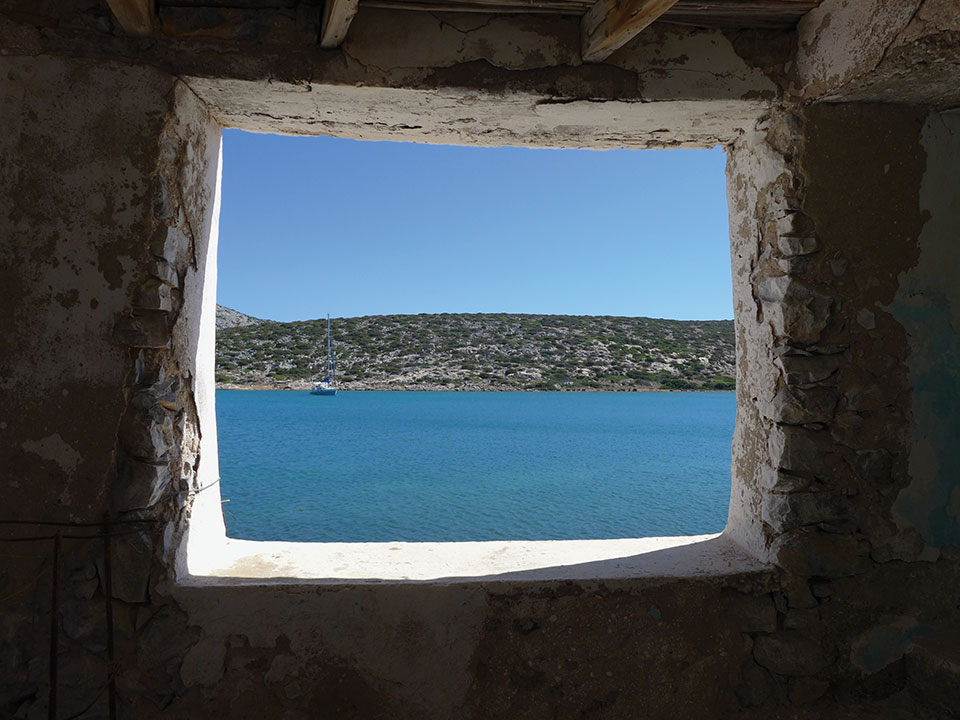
(311, 226)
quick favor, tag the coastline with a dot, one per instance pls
(389, 387)
(482, 353)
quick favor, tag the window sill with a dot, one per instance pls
(245, 562)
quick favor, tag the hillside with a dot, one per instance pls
(229, 318)
(482, 352)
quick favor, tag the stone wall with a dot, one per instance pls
(829, 293)
(844, 227)
(105, 252)
(832, 207)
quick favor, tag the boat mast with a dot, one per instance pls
(329, 349)
(333, 359)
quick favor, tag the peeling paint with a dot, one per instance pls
(55, 448)
(841, 39)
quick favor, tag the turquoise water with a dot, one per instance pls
(448, 466)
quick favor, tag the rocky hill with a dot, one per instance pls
(482, 352)
(228, 318)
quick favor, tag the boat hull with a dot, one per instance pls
(323, 391)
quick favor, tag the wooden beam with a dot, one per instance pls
(337, 16)
(507, 8)
(136, 17)
(610, 24)
(478, 5)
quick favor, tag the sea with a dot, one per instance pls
(459, 466)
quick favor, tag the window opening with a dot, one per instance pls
(493, 310)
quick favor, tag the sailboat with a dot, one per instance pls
(328, 386)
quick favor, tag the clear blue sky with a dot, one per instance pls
(311, 226)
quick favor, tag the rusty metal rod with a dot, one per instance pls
(65, 536)
(54, 627)
(48, 523)
(108, 593)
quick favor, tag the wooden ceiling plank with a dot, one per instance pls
(786, 8)
(337, 16)
(767, 14)
(136, 17)
(486, 6)
(611, 24)
(517, 3)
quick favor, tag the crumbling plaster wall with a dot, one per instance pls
(495, 81)
(883, 51)
(75, 215)
(108, 181)
(844, 225)
(843, 233)
(447, 649)
(845, 335)
(440, 77)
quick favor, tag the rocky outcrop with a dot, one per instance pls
(229, 318)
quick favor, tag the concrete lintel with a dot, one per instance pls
(470, 117)
(528, 58)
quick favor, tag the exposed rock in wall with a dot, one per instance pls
(825, 391)
(822, 446)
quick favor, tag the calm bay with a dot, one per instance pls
(451, 466)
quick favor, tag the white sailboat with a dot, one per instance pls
(328, 386)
